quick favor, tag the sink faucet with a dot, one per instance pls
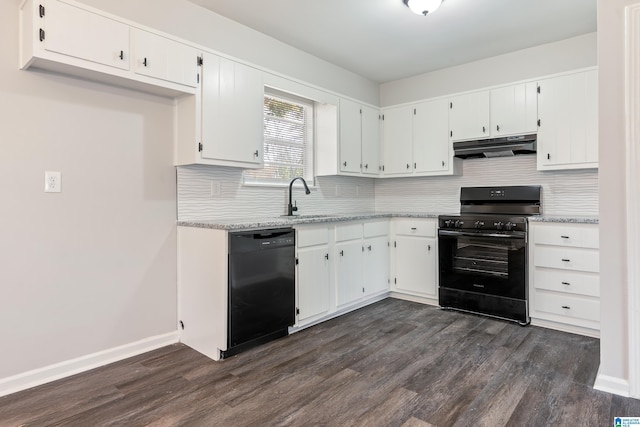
(290, 207)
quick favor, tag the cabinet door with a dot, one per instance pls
(415, 265)
(431, 136)
(376, 265)
(313, 282)
(159, 57)
(568, 113)
(85, 35)
(232, 111)
(514, 110)
(349, 271)
(397, 130)
(350, 136)
(469, 116)
(370, 140)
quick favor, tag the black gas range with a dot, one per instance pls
(483, 252)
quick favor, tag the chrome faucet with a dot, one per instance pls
(290, 208)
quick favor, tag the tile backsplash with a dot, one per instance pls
(211, 192)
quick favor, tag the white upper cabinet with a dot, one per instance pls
(162, 58)
(431, 144)
(350, 136)
(232, 113)
(72, 38)
(514, 110)
(469, 116)
(397, 140)
(568, 113)
(370, 141)
(359, 139)
(416, 140)
(72, 31)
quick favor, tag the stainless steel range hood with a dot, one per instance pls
(496, 147)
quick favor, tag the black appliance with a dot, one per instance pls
(261, 287)
(483, 252)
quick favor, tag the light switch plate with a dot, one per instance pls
(52, 182)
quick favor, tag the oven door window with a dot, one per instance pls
(488, 265)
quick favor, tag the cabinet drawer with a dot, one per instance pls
(567, 281)
(348, 232)
(571, 236)
(567, 305)
(567, 258)
(312, 236)
(374, 229)
(413, 227)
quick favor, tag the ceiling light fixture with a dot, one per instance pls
(423, 7)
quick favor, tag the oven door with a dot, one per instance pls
(484, 262)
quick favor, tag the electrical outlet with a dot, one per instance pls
(215, 188)
(52, 182)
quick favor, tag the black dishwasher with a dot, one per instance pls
(261, 287)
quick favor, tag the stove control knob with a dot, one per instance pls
(457, 224)
(479, 224)
(510, 226)
(447, 223)
(498, 225)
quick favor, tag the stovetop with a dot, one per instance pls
(483, 222)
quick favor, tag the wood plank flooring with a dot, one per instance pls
(394, 363)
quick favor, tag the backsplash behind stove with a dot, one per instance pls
(210, 192)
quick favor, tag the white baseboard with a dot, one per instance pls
(84, 363)
(610, 384)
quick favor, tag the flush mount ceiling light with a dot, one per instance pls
(423, 7)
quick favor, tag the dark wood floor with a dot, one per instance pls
(394, 363)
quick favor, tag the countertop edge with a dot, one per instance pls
(564, 219)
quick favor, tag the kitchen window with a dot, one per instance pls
(288, 140)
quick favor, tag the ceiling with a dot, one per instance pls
(383, 40)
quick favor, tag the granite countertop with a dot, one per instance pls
(283, 221)
(565, 219)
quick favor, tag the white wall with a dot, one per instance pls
(614, 342)
(198, 25)
(93, 267)
(551, 58)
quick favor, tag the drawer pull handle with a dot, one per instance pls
(566, 260)
(414, 228)
(566, 283)
(567, 307)
(564, 237)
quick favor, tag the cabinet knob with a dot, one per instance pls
(369, 247)
(566, 283)
(443, 163)
(566, 307)
(344, 164)
(428, 247)
(483, 129)
(408, 166)
(256, 153)
(366, 166)
(564, 237)
(326, 256)
(566, 260)
(121, 56)
(144, 62)
(341, 253)
(498, 128)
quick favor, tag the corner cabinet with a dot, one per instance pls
(358, 141)
(568, 127)
(223, 123)
(71, 38)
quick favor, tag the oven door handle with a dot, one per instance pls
(519, 235)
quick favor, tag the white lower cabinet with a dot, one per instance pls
(564, 281)
(414, 257)
(313, 279)
(340, 267)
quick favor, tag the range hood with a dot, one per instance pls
(496, 147)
